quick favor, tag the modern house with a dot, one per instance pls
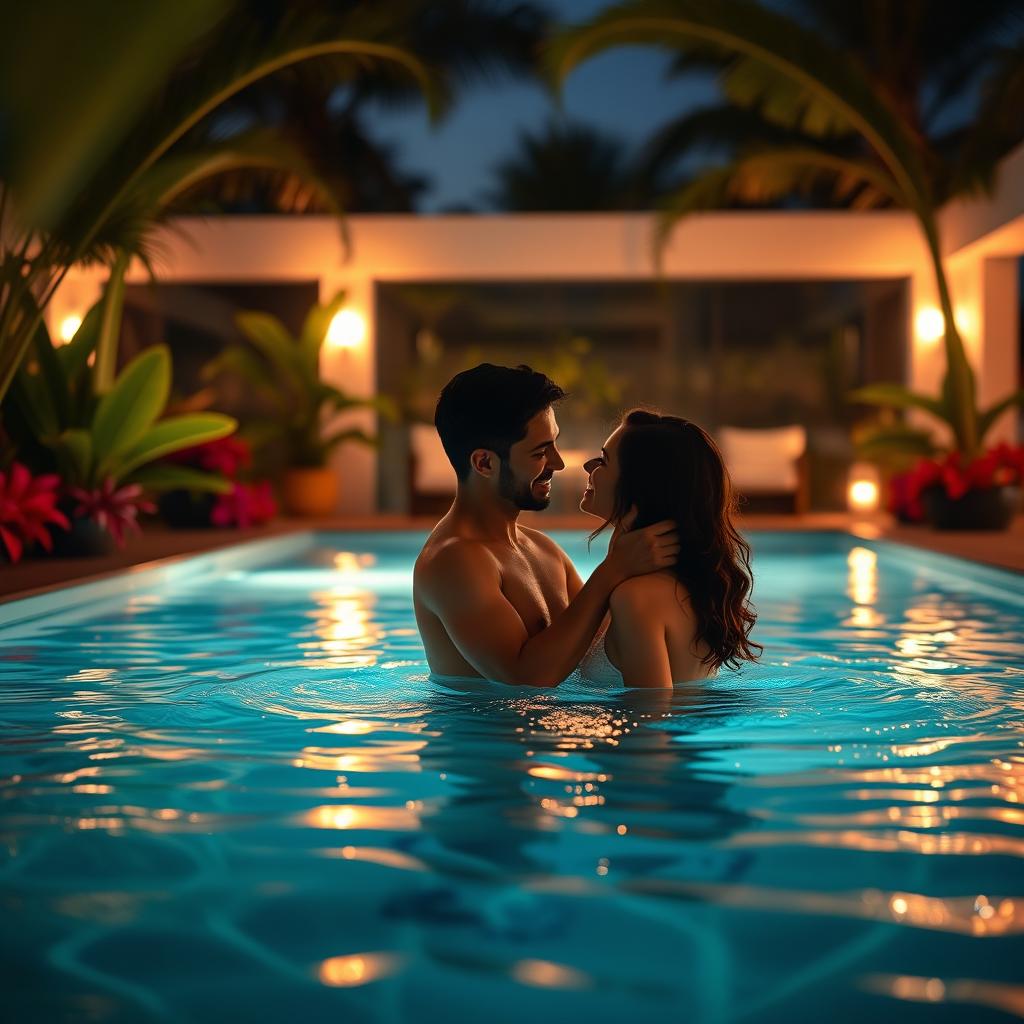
(983, 245)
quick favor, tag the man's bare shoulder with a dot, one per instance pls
(446, 555)
(544, 542)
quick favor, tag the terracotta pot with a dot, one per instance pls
(310, 492)
(991, 508)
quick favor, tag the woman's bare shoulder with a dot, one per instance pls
(648, 592)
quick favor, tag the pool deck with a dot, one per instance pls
(35, 575)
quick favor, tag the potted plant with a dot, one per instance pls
(957, 494)
(285, 372)
(958, 486)
(247, 503)
(104, 448)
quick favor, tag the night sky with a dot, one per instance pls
(624, 92)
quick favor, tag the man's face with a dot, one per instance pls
(525, 476)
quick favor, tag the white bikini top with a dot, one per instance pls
(596, 668)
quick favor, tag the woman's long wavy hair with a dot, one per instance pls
(669, 468)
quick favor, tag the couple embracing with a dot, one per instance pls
(500, 601)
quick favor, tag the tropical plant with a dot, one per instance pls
(463, 41)
(285, 372)
(245, 503)
(596, 391)
(57, 424)
(97, 153)
(832, 118)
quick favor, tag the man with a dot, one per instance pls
(495, 599)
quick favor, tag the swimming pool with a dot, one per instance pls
(229, 791)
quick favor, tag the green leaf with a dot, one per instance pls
(894, 443)
(988, 417)
(160, 477)
(342, 436)
(254, 371)
(54, 391)
(27, 417)
(339, 401)
(74, 449)
(138, 397)
(167, 436)
(112, 308)
(767, 175)
(74, 356)
(163, 189)
(314, 330)
(828, 78)
(895, 396)
(103, 64)
(259, 433)
(271, 337)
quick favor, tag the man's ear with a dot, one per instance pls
(484, 462)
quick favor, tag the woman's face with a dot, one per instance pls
(603, 475)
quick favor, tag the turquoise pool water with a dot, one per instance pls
(229, 791)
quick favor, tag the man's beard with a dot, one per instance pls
(521, 495)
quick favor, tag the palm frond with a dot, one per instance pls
(836, 90)
(104, 62)
(242, 59)
(781, 99)
(987, 418)
(763, 177)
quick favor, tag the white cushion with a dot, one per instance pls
(433, 471)
(763, 460)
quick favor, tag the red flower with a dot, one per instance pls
(226, 455)
(27, 506)
(115, 509)
(999, 466)
(244, 505)
(905, 498)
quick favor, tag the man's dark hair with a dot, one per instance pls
(489, 407)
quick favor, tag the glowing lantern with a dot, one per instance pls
(862, 492)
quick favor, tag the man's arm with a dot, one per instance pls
(462, 586)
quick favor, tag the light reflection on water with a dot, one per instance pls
(258, 779)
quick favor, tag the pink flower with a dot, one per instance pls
(114, 509)
(27, 507)
(226, 455)
(244, 505)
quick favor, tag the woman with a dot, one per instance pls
(683, 623)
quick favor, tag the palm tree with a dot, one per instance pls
(822, 115)
(570, 167)
(327, 112)
(137, 132)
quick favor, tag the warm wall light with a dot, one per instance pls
(965, 319)
(929, 324)
(862, 492)
(69, 327)
(347, 330)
